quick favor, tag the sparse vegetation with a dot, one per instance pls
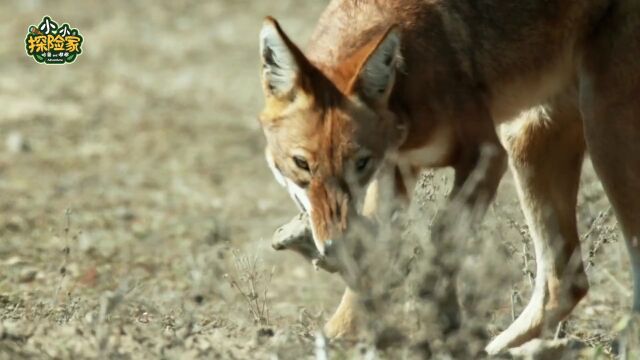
(251, 281)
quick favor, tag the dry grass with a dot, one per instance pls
(130, 179)
(252, 282)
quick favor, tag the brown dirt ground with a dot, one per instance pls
(144, 184)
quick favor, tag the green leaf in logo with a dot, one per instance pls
(71, 57)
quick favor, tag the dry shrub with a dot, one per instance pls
(409, 275)
(431, 281)
(251, 282)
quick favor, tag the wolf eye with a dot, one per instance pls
(362, 163)
(301, 163)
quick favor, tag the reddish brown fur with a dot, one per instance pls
(470, 71)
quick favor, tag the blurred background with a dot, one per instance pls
(136, 208)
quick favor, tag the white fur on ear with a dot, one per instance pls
(279, 67)
(378, 73)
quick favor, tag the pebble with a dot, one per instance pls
(27, 275)
(16, 143)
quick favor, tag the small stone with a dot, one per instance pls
(16, 143)
(125, 214)
(90, 317)
(14, 260)
(15, 330)
(266, 332)
(389, 337)
(144, 318)
(15, 224)
(263, 335)
(204, 345)
(183, 332)
(27, 275)
(168, 333)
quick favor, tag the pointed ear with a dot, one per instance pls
(281, 66)
(377, 73)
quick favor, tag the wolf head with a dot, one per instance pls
(328, 131)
